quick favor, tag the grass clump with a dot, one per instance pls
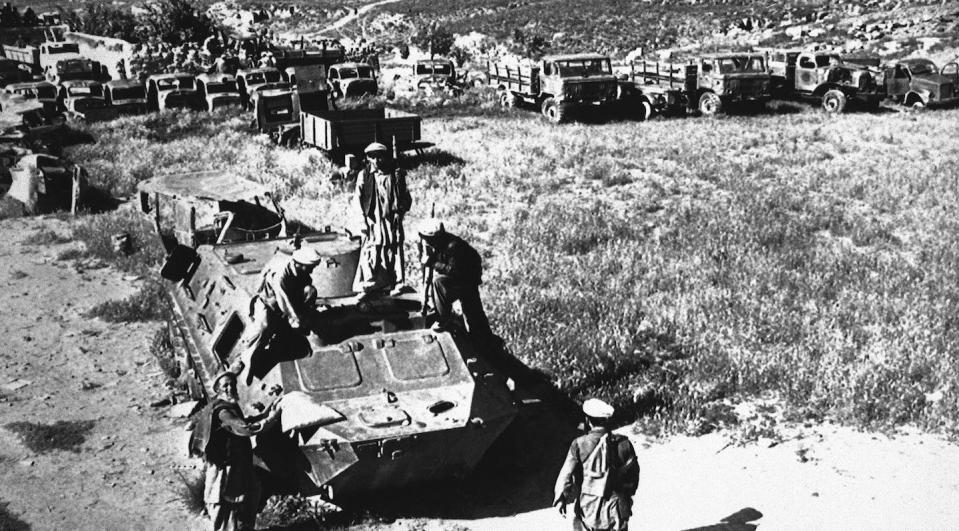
(48, 237)
(148, 304)
(10, 521)
(191, 492)
(61, 435)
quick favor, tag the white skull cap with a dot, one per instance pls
(307, 256)
(376, 147)
(598, 409)
(431, 227)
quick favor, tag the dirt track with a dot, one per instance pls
(124, 475)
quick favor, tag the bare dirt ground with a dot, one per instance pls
(123, 473)
(100, 375)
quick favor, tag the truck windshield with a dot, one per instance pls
(439, 69)
(584, 67)
(45, 92)
(826, 60)
(129, 93)
(63, 48)
(364, 72)
(184, 83)
(219, 88)
(93, 91)
(731, 65)
(922, 69)
(256, 78)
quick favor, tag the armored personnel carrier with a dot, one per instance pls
(381, 400)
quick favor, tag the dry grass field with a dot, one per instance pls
(688, 263)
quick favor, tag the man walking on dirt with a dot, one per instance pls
(383, 200)
(456, 271)
(231, 490)
(600, 475)
(285, 298)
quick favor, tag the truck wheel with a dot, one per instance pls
(554, 111)
(645, 111)
(710, 104)
(508, 99)
(834, 101)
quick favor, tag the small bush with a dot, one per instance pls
(48, 237)
(70, 254)
(191, 492)
(9, 521)
(16, 274)
(149, 304)
(162, 349)
(61, 435)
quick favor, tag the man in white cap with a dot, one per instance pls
(285, 298)
(457, 272)
(600, 475)
(382, 198)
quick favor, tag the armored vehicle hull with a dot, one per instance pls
(370, 399)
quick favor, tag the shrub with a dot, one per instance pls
(148, 304)
(101, 18)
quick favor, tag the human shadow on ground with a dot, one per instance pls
(432, 157)
(738, 521)
(10, 521)
(516, 474)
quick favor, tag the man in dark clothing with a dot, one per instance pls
(600, 475)
(231, 490)
(457, 273)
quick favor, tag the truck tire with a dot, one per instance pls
(834, 101)
(554, 111)
(508, 99)
(710, 104)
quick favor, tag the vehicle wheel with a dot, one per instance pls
(710, 104)
(644, 111)
(508, 99)
(917, 106)
(554, 111)
(834, 101)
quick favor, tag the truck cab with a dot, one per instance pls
(823, 75)
(172, 91)
(42, 91)
(248, 79)
(433, 75)
(84, 99)
(127, 95)
(13, 72)
(310, 83)
(217, 91)
(728, 78)
(919, 83)
(352, 80)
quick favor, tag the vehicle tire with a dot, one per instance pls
(710, 104)
(645, 111)
(834, 101)
(554, 111)
(508, 99)
(917, 106)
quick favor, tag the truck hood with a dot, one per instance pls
(928, 80)
(589, 79)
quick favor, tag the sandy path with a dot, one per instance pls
(851, 481)
(80, 369)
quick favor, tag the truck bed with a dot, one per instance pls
(354, 129)
(520, 78)
(672, 75)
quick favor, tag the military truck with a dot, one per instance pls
(352, 80)
(128, 96)
(248, 79)
(56, 61)
(818, 75)
(210, 207)
(708, 83)
(435, 75)
(172, 91)
(13, 72)
(43, 183)
(556, 84)
(217, 91)
(339, 132)
(371, 398)
(919, 83)
(309, 82)
(277, 114)
(42, 91)
(84, 100)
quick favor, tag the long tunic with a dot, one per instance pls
(383, 199)
(610, 510)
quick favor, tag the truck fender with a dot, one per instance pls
(916, 96)
(826, 87)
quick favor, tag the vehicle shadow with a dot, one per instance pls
(517, 473)
(738, 521)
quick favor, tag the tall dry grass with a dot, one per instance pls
(686, 261)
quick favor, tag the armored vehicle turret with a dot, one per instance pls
(371, 397)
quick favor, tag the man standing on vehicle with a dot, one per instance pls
(285, 298)
(383, 200)
(600, 475)
(231, 490)
(456, 271)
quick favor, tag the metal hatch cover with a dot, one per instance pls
(328, 369)
(415, 358)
